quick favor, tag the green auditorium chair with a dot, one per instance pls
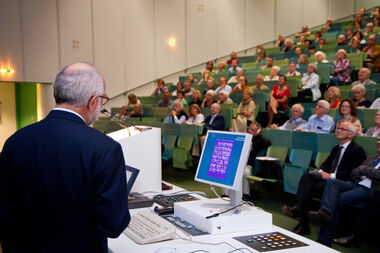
(272, 50)
(148, 110)
(356, 60)
(277, 56)
(300, 161)
(266, 72)
(270, 84)
(281, 63)
(146, 120)
(219, 75)
(171, 133)
(375, 77)
(281, 138)
(245, 59)
(181, 153)
(182, 79)
(251, 74)
(160, 112)
(326, 142)
(321, 157)
(249, 65)
(265, 132)
(293, 84)
(368, 144)
(324, 71)
(369, 118)
(302, 68)
(305, 141)
(148, 100)
(259, 99)
(205, 111)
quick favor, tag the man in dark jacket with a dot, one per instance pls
(339, 164)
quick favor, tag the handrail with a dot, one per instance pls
(215, 60)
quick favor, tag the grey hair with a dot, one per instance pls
(289, 40)
(325, 104)
(277, 68)
(360, 87)
(76, 87)
(211, 92)
(321, 54)
(300, 106)
(351, 127)
(224, 92)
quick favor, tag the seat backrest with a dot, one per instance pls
(281, 138)
(368, 144)
(185, 142)
(300, 157)
(321, 157)
(306, 141)
(278, 152)
(369, 118)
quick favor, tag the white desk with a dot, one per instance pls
(124, 244)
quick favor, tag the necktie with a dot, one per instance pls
(335, 164)
(375, 163)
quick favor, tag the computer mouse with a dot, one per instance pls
(166, 250)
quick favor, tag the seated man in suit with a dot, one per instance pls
(344, 195)
(373, 51)
(68, 192)
(363, 76)
(295, 121)
(339, 164)
(215, 121)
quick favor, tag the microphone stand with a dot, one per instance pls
(108, 114)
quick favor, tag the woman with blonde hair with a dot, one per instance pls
(333, 95)
(273, 74)
(359, 92)
(209, 99)
(196, 117)
(197, 98)
(342, 67)
(246, 112)
(206, 75)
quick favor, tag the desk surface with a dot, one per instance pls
(124, 244)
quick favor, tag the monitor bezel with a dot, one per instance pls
(135, 172)
(241, 165)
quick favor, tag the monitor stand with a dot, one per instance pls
(235, 197)
(242, 218)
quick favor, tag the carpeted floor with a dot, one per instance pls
(273, 198)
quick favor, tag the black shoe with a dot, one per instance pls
(292, 212)
(246, 197)
(349, 241)
(301, 229)
(321, 216)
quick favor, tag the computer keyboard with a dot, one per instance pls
(147, 227)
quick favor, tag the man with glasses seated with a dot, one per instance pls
(63, 184)
(342, 160)
(320, 122)
(348, 195)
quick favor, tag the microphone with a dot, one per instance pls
(108, 114)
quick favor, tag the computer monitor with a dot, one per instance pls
(223, 159)
(132, 174)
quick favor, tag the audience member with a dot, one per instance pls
(359, 92)
(261, 56)
(209, 66)
(197, 98)
(280, 41)
(333, 96)
(177, 115)
(321, 43)
(259, 143)
(320, 122)
(259, 84)
(209, 99)
(137, 112)
(349, 33)
(312, 50)
(346, 195)
(368, 29)
(320, 57)
(160, 86)
(302, 60)
(297, 52)
(196, 116)
(373, 51)
(210, 86)
(310, 85)
(269, 63)
(288, 46)
(191, 79)
(179, 87)
(374, 131)
(132, 100)
(341, 40)
(348, 110)
(242, 85)
(376, 104)
(317, 37)
(221, 67)
(363, 76)
(187, 89)
(292, 70)
(295, 121)
(180, 98)
(223, 86)
(359, 35)
(302, 41)
(305, 32)
(342, 67)
(246, 113)
(342, 160)
(224, 98)
(166, 100)
(206, 76)
(122, 115)
(215, 121)
(273, 74)
(234, 66)
(355, 46)
(233, 57)
(278, 99)
(235, 79)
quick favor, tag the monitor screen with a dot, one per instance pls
(223, 158)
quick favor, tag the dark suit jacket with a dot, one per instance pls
(366, 170)
(62, 188)
(375, 55)
(259, 143)
(217, 124)
(352, 158)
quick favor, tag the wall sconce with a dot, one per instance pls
(7, 71)
(172, 42)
